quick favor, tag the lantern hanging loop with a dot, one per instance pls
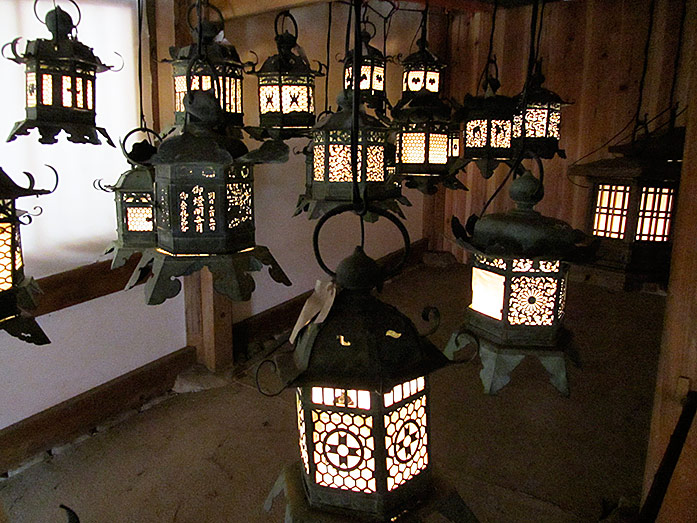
(145, 130)
(376, 210)
(202, 4)
(365, 25)
(258, 385)
(282, 17)
(55, 8)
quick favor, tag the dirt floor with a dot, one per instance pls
(527, 454)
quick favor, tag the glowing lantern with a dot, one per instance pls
(422, 69)
(536, 127)
(373, 63)
(329, 175)
(286, 83)
(60, 84)
(222, 57)
(488, 130)
(16, 290)
(363, 400)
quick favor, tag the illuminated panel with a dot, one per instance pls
(562, 297)
(343, 451)
(179, 93)
(405, 83)
(403, 391)
(79, 94)
(611, 211)
(517, 126)
(407, 442)
(527, 265)
(554, 121)
(139, 219)
(416, 80)
(47, 89)
(351, 399)
(31, 89)
(475, 133)
(536, 123)
(550, 266)
(318, 163)
(522, 265)
(454, 145)
(269, 99)
(376, 164)
(498, 263)
(340, 163)
(239, 203)
(413, 147)
(438, 148)
(378, 78)
(655, 214)
(501, 133)
(67, 92)
(301, 430)
(5, 257)
(295, 99)
(19, 261)
(238, 97)
(432, 81)
(90, 96)
(532, 300)
(487, 292)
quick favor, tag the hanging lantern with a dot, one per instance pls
(220, 56)
(373, 64)
(329, 174)
(362, 398)
(631, 209)
(519, 279)
(60, 84)
(134, 195)
(422, 69)
(16, 291)
(538, 132)
(287, 83)
(488, 130)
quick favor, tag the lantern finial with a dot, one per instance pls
(59, 23)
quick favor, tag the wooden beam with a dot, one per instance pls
(79, 415)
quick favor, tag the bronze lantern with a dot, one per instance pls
(221, 57)
(60, 84)
(17, 292)
(287, 83)
(373, 67)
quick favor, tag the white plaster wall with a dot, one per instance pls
(104, 338)
(277, 186)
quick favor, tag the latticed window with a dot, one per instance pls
(407, 442)
(532, 301)
(655, 212)
(610, 217)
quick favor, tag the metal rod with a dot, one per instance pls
(356, 101)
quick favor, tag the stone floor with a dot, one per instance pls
(527, 454)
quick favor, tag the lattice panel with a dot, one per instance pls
(67, 91)
(476, 133)
(403, 391)
(438, 149)
(139, 219)
(348, 398)
(344, 448)
(562, 297)
(79, 94)
(31, 89)
(239, 204)
(454, 145)
(19, 260)
(376, 164)
(295, 98)
(269, 99)
(378, 79)
(498, 263)
(179, 92)
(318, 163)
(407, 442)
(501, 133)
(527, 265)
(415, 80)
(365, 78)
(301, 430)
(655, 214)
(432, 81)
(536, 123)
(47, 89)
(90, 96)
(611, 207)
(340, 163)
(413, 147)
(5, 257)
(554, 121)
(532, 300)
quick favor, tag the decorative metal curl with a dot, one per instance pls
(32, 180)
(27, 217)
(13, 46)
(431, 314)
(98, 184)
(79, 13)
(258, 385)
(123, 64)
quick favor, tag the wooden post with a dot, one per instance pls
(208, 321)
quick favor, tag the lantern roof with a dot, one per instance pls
(369, 53)
(341, 120)
(627, 169)
(534, 93)
(423, 57)
(524, 232)
(199, 144)
(421, 107)
(138, 179)
(288, 60)
(9, 190)
(216, 52)
(368, 344)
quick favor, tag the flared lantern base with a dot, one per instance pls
(77, 132)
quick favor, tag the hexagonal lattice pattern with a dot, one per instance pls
(413, 147)
(532, 300)
(343, 451)
(5, 257)
(407, 442)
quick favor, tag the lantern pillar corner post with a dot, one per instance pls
(208, 321)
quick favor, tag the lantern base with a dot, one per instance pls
(230, 272)
(77, 132)
(315, 208)
(16, 321)
(443, 500)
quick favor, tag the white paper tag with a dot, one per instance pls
(316, 307)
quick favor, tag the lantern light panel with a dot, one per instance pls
(340, 442)
(11, 262)
(542, 120)
(332, 156)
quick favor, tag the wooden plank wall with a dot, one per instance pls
(593, 55)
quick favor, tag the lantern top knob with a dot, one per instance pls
(526, 191)
(358, 272)
(59, 23)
